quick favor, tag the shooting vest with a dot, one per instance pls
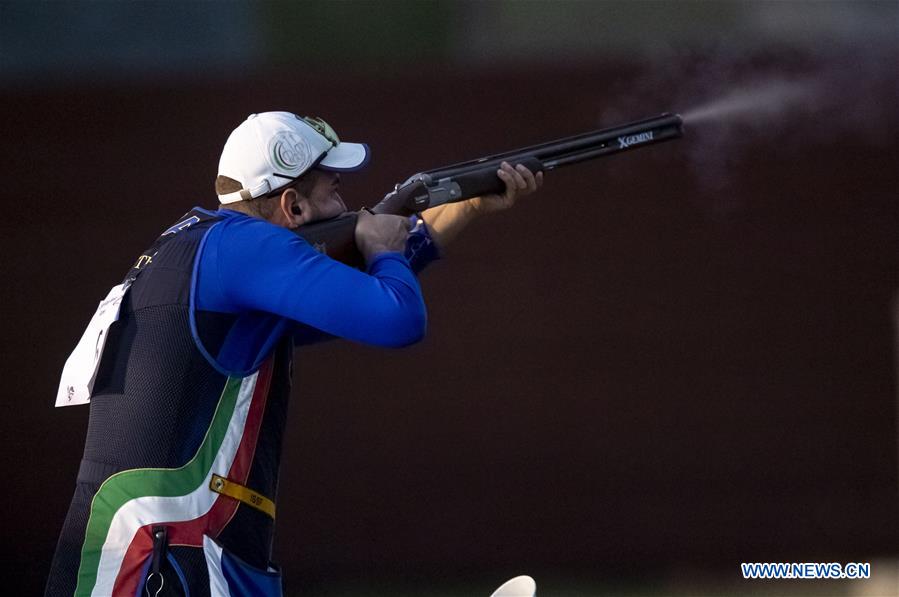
(179, 453)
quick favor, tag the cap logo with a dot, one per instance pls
(317, 125)
(322, 128)
(289, 152)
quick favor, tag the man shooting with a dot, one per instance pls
(187, 363)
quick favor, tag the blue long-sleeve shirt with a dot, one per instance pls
(277, 283)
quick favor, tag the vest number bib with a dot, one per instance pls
(80, 371)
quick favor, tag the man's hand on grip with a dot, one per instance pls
(381, 233)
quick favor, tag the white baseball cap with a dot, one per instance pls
(272, 149)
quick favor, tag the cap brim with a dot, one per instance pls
(346, 157)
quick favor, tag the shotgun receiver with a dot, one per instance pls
(457, 182)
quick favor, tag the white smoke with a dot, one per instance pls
(760, 100)
(831, 73)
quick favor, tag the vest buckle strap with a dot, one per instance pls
(241, 493)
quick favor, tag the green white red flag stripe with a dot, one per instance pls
(121, 507)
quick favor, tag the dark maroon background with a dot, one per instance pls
(621, 376)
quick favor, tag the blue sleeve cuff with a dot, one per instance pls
(421, 249)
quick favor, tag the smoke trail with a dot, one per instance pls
(794, 84)
(768, 100)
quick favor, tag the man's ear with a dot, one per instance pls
(291, 208)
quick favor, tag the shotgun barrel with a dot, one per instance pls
(478, 177)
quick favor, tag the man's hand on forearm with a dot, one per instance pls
(446, 221)
(519, 182)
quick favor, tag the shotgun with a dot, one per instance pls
(335, 237)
